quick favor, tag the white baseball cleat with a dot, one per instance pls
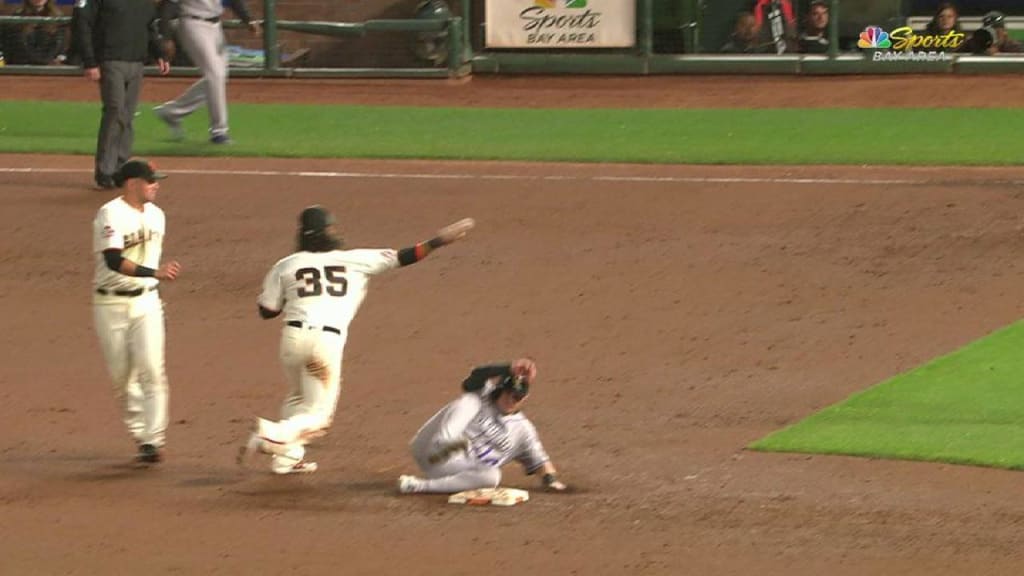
(407, 484)
(300, 467)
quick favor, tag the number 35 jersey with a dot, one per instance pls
(323, 288)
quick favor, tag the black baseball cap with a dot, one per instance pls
(137, 168)
(818, 3)
(315, 219)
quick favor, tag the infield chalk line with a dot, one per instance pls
(596, 178)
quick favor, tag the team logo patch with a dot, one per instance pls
(108, 231)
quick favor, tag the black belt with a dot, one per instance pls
(298, 324)
(211, 20)
(130, 293)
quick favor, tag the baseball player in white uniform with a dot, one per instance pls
(128, 235)
(201, 34)
(464, 445)
(318, 291)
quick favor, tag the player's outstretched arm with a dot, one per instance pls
(445, 236)
(478, 378)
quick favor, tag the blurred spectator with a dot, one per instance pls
(36, 44)
(776, 22)
(814, 37)
(745, 38)
(946, 20)
(992, 38)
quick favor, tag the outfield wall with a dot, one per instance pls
(380, 40)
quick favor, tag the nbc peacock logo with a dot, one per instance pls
(874, 37)
(552, 4)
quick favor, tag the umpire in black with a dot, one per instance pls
(114, 38)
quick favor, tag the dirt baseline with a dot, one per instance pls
(674, 321)
(924, 91)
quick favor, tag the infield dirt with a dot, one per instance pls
(676, 315)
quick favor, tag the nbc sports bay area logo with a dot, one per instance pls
(560, 22)
(903, 45)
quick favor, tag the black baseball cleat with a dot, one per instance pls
(104, 182)
(149, 454)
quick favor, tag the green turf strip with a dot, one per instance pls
(774, 136)
(964, 408)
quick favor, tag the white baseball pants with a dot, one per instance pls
(131, 334)
(312, 359)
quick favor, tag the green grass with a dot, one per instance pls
(965, 408)
(709, 136)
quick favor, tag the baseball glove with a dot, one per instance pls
(455, 231)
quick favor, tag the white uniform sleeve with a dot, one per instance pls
(105, 233)
(272, 296)
(531, 452)
(372, 261)
(460, 413)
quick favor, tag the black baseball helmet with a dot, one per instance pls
(315, 234)
(518, 384)
(314, 220)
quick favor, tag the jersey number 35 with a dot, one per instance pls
(332, 279)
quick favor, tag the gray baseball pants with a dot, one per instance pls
(120, 83)
(204, 43)
(458, 473)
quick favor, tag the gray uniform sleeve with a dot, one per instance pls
(457, 419)
(531, 452)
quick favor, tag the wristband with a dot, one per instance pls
(435, 242)
(144, 271)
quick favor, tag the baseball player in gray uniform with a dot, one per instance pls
(464, 445)
(128, 236)
(201, 34)
(318, 291)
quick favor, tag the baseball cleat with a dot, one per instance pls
(149, 454)
(177, 133)
(104, 182)
(221, 139)
(300, 467)
(407, 484)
